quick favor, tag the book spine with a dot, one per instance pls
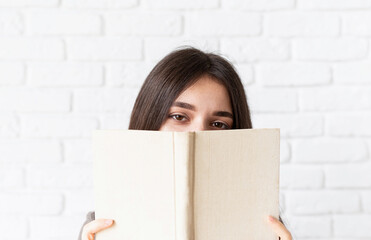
(183, 150)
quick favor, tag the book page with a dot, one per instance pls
(236, 184)
(134, 184)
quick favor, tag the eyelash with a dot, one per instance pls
(226, 126)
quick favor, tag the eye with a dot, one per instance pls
(177, 117)
(220, 125)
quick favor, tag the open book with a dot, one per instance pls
(205, 185)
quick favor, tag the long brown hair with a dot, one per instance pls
(173, 74)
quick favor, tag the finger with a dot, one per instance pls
(279, 228)
(95, 226)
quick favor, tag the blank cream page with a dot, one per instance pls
(132, 187)
(236, 184)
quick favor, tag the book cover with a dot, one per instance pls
(204, 185)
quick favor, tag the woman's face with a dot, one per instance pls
(205, 105)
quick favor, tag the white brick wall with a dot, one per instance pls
(70, 66)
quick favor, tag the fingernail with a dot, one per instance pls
(108, 222)
(270, 218)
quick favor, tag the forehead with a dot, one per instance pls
(206, 92)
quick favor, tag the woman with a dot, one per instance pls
(188, 90)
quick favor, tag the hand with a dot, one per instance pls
(279, 228)
(91, 228)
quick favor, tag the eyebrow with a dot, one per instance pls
(193, 108)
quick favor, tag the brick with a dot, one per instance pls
(12, 73)
(51, 125)
(330, 49)
(245, 72)
(9, 126)
(322, 201)
(105, 100)
(301, 177)
(30, 48)
(223, 24)
(10, 23)
(29, 3)
(358, 23)
(348, 176)
(255, 49)
(335, 98)
(281, 202)
(110, 4)
(65, 74)
(271, 100)
(129, 74)
(155, 48)
(11, 177)
(293, 74)
(334, 4)
(352, 225)
(104, 48)
(294, 24)
(65, 227)
(329, 150)
(78, 150)
(291, 125)
(79, 202)
(59, 176)
(31, 203)
(13, 227)
(30, 151)
(352, 73)
(146, 24)
(180, 4)
(366, 201)
(55, 22)
(349, 124)
(284, 151)
(34, 100)
(258, 4)
(116, 121)
(311, 226)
